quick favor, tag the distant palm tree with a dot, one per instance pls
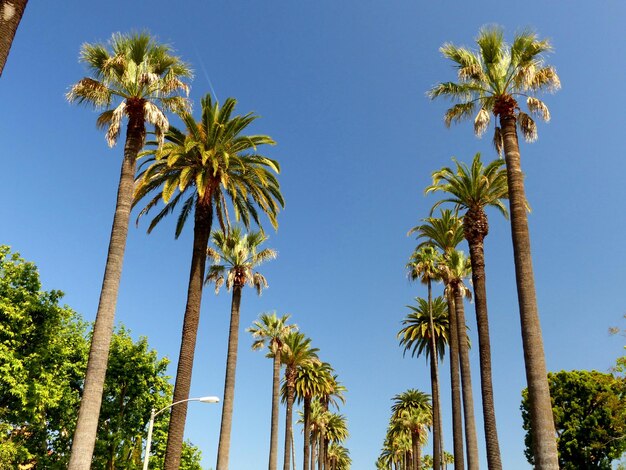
(473, 188)
(338, 457)
(141, 78)
(423, 266)
(271, 331)
(336, 432)
(297, 352)
(413, 410)
(490, 80)
(234, 259)
(11, 12)
(211, 161)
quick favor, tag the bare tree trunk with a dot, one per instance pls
(87, 423)
(288, 425)
(541, 418)
(11, 12)
(176, 430)
(273, 463)
(307, 433)
(229, 382)
(466, 378)
(455, 384)
(434, 378)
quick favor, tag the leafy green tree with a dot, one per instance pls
(474, 188)
(490, 81)
(271, 331)
(11, 12)
(234, 259)
(413, 411)
(589, 410)
(213, 160)
(142, 78)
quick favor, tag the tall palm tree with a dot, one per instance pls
(11, 12)
(234, 258)
(332, 395)
(455, 268)
(297, 352)
(271, 331)
(212, 160)
(336, 431)
(491, 80)
(474, 188)
(423, 266)
(140, 78)
(446, 232)
(318, 419)
(413, 410)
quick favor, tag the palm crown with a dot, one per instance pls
(445, 232)
(142, 74)
(493, 78)
(415, 335)
(270, 330)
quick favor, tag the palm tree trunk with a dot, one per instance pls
(229, 382)
(455, 385)
(418, 455)
(87, 423)
(201, 232)
(434, 379)
(307, 432)
(313, 450)
(466, 379)
(11, 12)
(477, 257)
(541, 418)
(320, 456)
(273, 463)
(288, 423)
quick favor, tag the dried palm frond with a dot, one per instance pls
(115, 123)
(156, 117)
(481, 122)
(538, 108)
(527, 126)
(498, 141)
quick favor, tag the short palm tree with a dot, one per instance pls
(297, 352)
(270, 331)
(11, 12)
(234, 259)
(136, 78)
(338, 457)
(211, 161)
(491, 81)
(474, 188)
(446, 232)
(413, 411)
(336, 432)
(422, 266)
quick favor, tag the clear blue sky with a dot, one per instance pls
(340, 86)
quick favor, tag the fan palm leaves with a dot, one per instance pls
(211, 163)
(473, 188)
(492, 79)
(235, 256)
(270, 330)
(135, 78)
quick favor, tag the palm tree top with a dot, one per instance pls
(445, 231)
(143, 75)
(415, 335)
(423, 264)
(271, 330)
(493, 77)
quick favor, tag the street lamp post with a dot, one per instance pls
(154, 414)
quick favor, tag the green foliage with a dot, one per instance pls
(43, 356)
(590, 417)
(428, 460)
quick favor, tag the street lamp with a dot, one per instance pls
(154, 414)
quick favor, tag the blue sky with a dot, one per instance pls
(340, 86)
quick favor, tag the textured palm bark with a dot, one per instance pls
(476, 229)
(434, 379)
(417, 450)
(273, 462)
(176, 429)
(455, 385)
(321, 458)
(223, 449)
(290, 377)
(11, 12)
(471, 439)
(541, 418)
(87, 423)
(314, 440)
(307, 433)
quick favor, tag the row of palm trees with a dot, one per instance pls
(309, 381)
(490, 81)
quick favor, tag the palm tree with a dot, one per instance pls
(474, 188)
(11, 12)
(297, 352)
(336, 432)
(446, 232)
(210, 161)
(141, 77)
(423, 266)
(239, 254)
(338, 457)
(413, 411)
(455, 268)
(271, 331)
(491, 80)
